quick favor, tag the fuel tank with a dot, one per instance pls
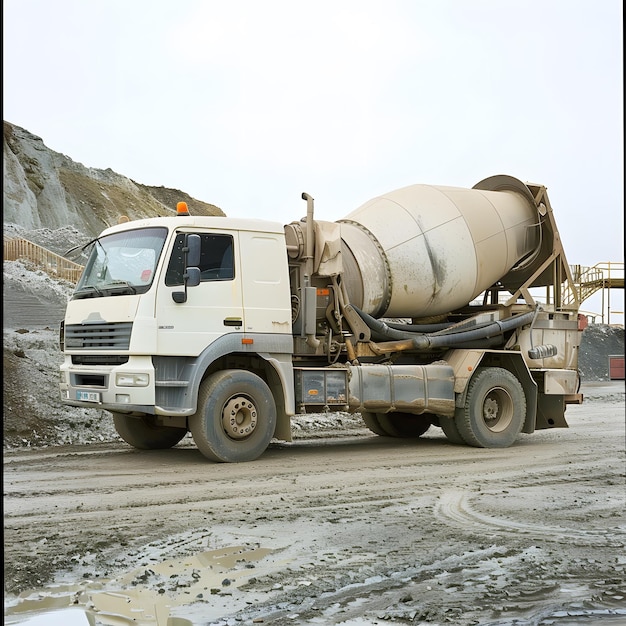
(426, 250)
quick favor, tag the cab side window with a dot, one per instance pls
(216, 259)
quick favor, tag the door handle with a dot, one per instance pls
(233, 321)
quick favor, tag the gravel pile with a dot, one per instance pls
(599, 341)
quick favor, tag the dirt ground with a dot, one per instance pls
(341, 527)
(338, 527)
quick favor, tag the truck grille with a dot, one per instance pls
(98, 336)
(112, 360)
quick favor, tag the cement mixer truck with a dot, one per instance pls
(429, 307)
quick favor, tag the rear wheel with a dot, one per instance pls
(144, 433)
(372, 422)
(450, 429)
(404, 425)
(494, 411)
(236, 417)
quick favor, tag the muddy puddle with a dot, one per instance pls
(148, 595)
(204, 587)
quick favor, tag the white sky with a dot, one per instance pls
(247, 104)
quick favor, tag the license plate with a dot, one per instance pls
(88, 396)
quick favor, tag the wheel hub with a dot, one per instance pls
(239, 417)
(497, 410)
(490, 412)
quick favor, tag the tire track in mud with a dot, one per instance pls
(454, 506)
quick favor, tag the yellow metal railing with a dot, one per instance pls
(56, 266)
(600, 277)
(589, 280)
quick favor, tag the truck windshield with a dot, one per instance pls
(121, 263)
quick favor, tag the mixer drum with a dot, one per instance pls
(426, 250)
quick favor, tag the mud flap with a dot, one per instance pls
(550, 412)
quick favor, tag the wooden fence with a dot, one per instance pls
(17, 249)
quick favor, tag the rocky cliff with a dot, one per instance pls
(45, 190)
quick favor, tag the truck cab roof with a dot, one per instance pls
(200, 221)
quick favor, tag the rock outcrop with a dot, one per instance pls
(46, 190)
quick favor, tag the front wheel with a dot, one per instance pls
(236, 417)
(494, 411)
(144, 433)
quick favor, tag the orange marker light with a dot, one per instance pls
(181, 208)
(247, 341)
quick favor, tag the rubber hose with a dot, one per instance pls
(425, 341)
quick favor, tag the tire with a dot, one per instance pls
(144, 433)
(371, 421)
(494, 411)
(450, 429)
(404, 425)
(236, 417)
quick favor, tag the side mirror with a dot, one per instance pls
(191, 277)
(193, 251)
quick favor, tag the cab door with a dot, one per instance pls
(213, 308)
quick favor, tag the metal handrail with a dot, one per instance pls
(589, 280)
(56, 266)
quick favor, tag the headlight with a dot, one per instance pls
(132, 380)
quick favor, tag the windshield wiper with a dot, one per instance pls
(123, 283)
(89, 289)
